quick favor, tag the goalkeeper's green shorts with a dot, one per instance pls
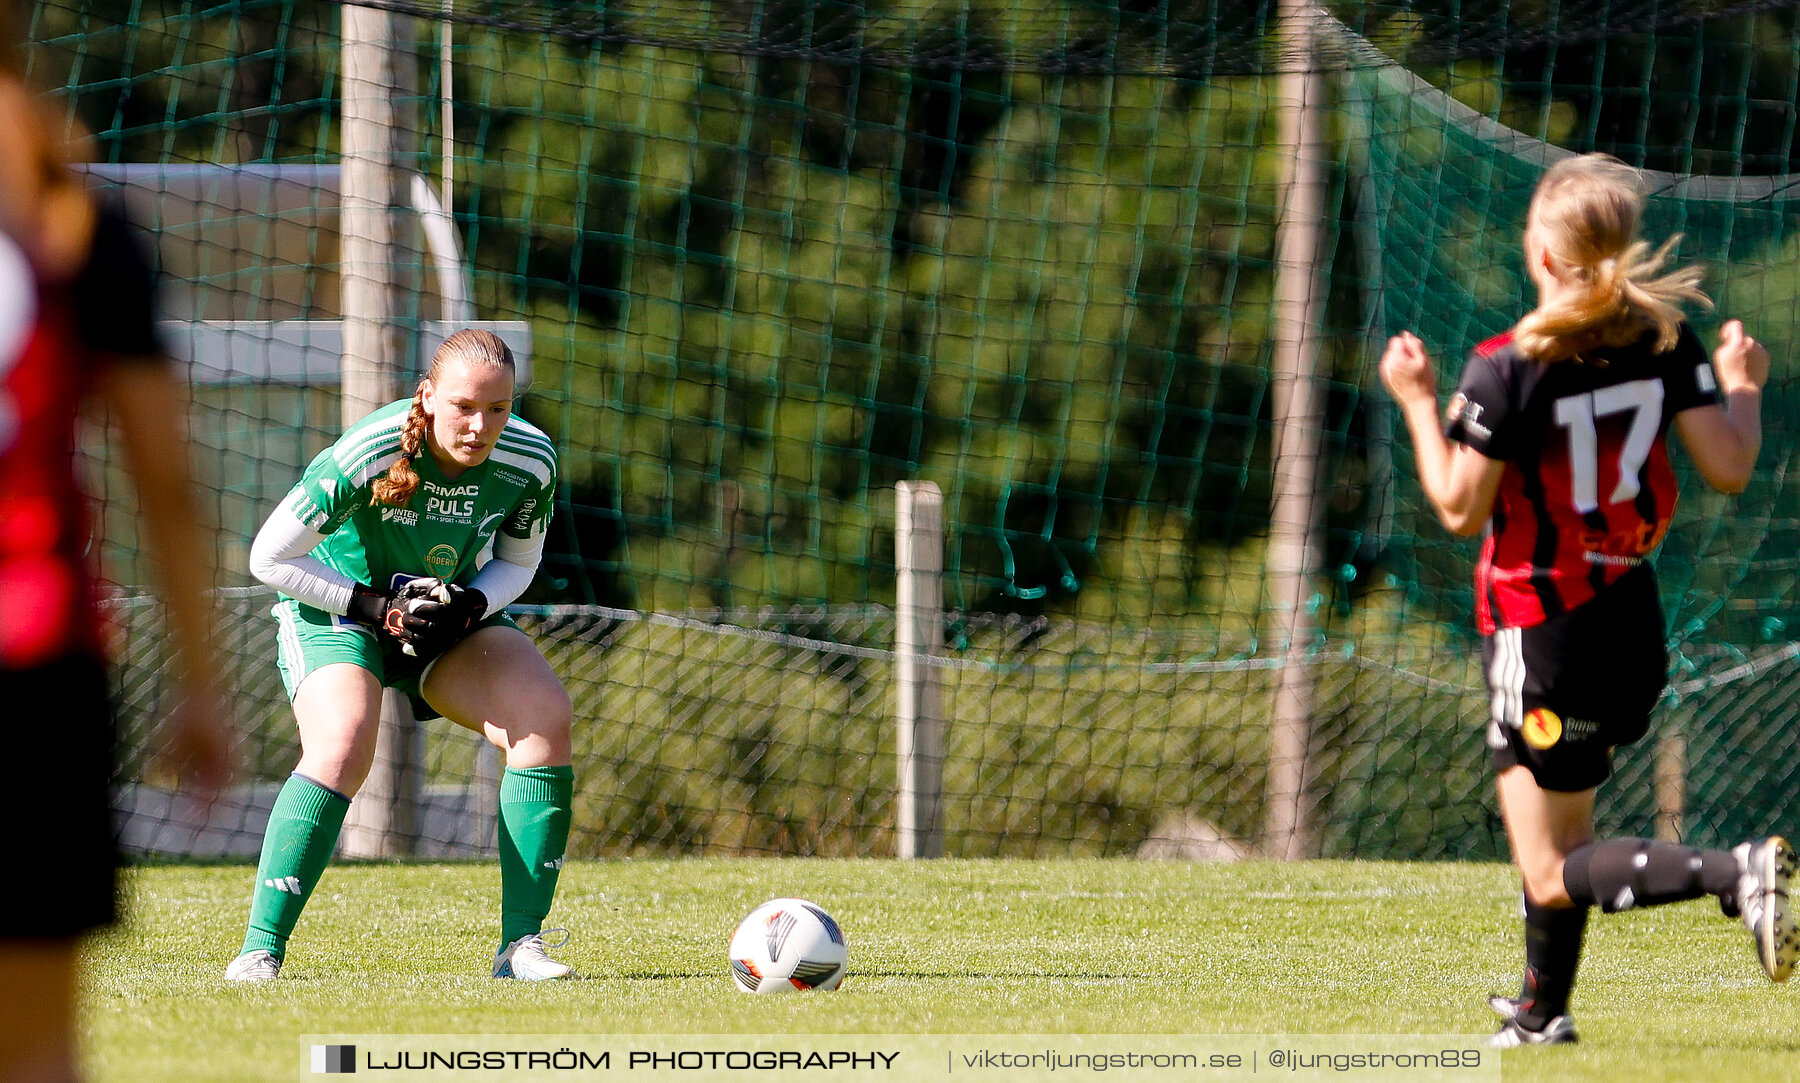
(308, 638)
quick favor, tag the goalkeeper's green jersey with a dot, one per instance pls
(447, 527)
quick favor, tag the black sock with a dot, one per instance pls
(1552, 952)
(1619, 874)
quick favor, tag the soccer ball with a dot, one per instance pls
(787, 945)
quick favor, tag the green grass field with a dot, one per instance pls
(945, 947)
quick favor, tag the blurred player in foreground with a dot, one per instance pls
(76, 316)
(1555, 444)
(380, 553)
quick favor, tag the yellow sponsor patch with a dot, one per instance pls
(441, 561)
(1542, 728)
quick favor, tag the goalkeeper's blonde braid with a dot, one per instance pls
(402, 481)
(468, 346)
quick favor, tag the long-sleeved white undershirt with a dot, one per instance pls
(281, 556)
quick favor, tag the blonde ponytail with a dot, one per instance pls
(1585, 213)
(468, 346)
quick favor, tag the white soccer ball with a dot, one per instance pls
(788, 945)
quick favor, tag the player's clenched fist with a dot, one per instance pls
(1742, 362)
(1406, 369)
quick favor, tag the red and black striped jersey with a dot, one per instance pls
(1588, 492)
(53, 339)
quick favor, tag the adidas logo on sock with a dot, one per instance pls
(289, 884)
(557, 864)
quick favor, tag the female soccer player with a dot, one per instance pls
(77, 315)
(382, 557)
(1555, 442)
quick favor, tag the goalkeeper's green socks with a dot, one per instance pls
(534, 832)
(303, 830)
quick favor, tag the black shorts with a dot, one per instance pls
(1568, 691)
(62, 850)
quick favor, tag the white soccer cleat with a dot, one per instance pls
(258, 965)
(1764, 871)
(527, 959)
(1513, 1034)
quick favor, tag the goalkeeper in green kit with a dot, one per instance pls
(395, 555)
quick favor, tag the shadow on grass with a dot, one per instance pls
(986, 975)
(916, 975)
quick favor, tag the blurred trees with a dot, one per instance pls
(950, 246)
(784, 286)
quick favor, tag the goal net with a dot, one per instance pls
(770, 259)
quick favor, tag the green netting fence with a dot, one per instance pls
(770, 259)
